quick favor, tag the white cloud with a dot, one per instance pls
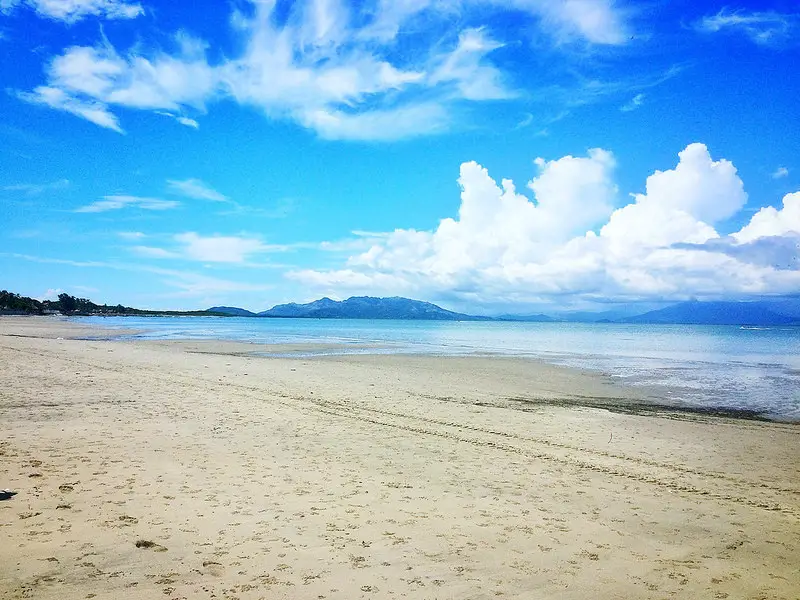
(763, 28)
(465, 67)
(188, 122)
(497, 228)
(195, 188)
(634, 103)
(592, 21)
(119, 202)
(326, 65)
(153, 252)
(769, 222)
(227, 249)
(71, 11)
(131, 235)
(680, 205)
(185, 121)
(191, 246)
(58, 99)
(567, 243)
(34, 189)
(191, 284)
(161, 82)
(595, 21)
(50, 294)
(376, 125)
(780, 173)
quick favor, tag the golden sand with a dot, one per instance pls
(196, 470)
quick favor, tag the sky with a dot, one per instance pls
(489, 156)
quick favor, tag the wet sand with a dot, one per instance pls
(198, 470)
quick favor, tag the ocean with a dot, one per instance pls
(730, 367)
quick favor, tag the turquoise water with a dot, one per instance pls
(710, 366)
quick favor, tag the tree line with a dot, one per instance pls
(65, 305)
(15, 304)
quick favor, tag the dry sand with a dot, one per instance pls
(193, 470)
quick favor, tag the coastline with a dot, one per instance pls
(372, 476)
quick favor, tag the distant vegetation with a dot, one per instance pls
(14, 304)
(780, 311)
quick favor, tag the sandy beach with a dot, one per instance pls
(198, 470)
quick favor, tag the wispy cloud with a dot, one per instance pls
(191, 246)
(131, 235)
(634, 103)
(276, 210)
(328, 66)
(34, 189)
(586, 91)
(71, 11)
(763, 28)
(119, 202)
(191, 284)
(86, 108)
(526, 121)
(780, 173)
(153, 252)
(196, 189)
(186, 121)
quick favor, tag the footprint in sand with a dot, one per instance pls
(147, 544)
(213, 568)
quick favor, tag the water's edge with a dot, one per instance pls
(724, 371)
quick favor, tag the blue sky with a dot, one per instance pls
(484, 155)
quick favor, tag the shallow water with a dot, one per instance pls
(710, 366)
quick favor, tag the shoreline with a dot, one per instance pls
(647, 399)
(145, 469)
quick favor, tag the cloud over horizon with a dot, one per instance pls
(568, 241)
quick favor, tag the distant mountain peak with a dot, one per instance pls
(693, 312)
(367, 307)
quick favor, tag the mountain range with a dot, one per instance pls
(761, 313)
(357, 307)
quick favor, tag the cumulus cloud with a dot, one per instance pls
(568, 241)
(71, 11)
(118, 202)
(770, 222)
(326, 65)
(680, 205)
(497, 228)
